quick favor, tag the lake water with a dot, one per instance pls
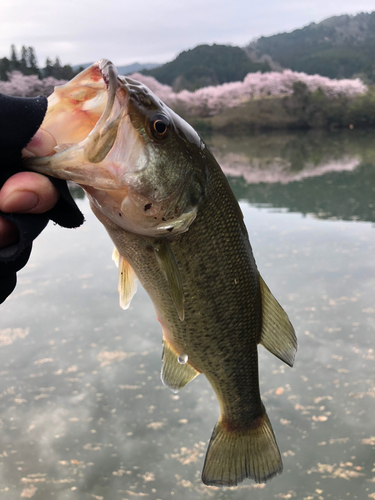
(83, 412)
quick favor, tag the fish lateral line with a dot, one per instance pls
(169, 267)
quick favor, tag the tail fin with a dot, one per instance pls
(234, 455)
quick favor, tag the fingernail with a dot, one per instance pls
(20, 201)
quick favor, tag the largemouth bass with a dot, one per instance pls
(179, 230)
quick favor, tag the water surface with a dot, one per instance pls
(83, 412)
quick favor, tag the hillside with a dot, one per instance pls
(206, 65)
(338, 47)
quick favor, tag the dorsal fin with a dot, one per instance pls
(127, 279)
(169, 267)
(175, 375)
(277, 333)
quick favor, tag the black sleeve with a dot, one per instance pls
(20, 118)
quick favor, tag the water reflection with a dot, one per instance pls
(83, 412)
(330, 175)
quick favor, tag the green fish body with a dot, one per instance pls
(190, 250)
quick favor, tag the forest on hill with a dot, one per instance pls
(206, 65)
(338, 47)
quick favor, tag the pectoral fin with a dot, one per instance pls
(127, 279)
(115, 256)
(169, 267)
(277, 334)
(175, 375)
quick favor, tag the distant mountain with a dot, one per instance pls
(206, 65)
(133, 68)
(83, 66)
(123, 70)
(338, 47)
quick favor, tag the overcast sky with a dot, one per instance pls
(80, 31)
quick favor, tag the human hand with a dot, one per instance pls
(27, 192)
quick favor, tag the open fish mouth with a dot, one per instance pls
(102, 137)
(84, 117)
(82, 105)
(126, 148)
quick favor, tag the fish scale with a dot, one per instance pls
(178, 228)
(223, 321)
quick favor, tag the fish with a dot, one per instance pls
(178, 229)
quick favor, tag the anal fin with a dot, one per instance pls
(127, 279)
(175, 375)
(277, 335)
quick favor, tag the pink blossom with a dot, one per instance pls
(206, 101)
(28, 85)
(209, 101)
(278, 170)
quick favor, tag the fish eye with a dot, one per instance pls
(159, 126)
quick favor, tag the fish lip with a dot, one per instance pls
(106, 68)
(110, 76)
(105, 130)
(73, 160)
(108, 72)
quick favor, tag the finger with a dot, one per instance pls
(28, 192)
(8, 233)
(42, 144)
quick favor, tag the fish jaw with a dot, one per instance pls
(84, 116)
(102, 124)
(75, 107)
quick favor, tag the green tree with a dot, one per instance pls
(14, 62)
(5, 68)
(57, 68)
(67, 72)
(23, 61)
(361, 111)
(48, 70)
(32, 61)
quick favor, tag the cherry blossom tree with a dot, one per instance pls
(209, 101)
(28, 85)
(206, 101)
